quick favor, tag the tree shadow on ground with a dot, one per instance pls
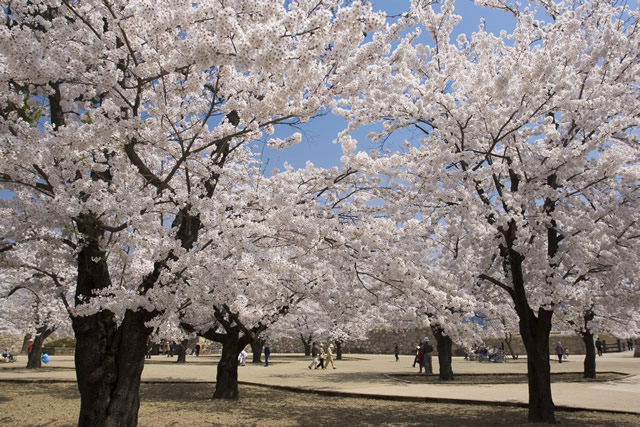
(338, 377)
(274, 407)
(190, 404)
(507, 378)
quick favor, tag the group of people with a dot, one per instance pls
(424, 356)
(169, 348)
(242, 357)
(482, 353)
(7, 355)
(321, 358)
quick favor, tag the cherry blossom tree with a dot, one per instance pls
(37, 282)
(596, 308)
(278, 249)
(23, 313)
(300, 323)
(411, 267)
(530, 144)
(125, 125)
(349, 315)
(447, 301)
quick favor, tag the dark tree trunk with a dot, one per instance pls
(534, 329)
(307, 344)
(25, 344)
(338, 350)
(109, 355)
(227, 375)
(535, 334)
(34, 360)
(256, 349)
(234, 340)
(109, 362)
(444, 345)
(590, 355)
(636, 348)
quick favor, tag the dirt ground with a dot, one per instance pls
(190, 404)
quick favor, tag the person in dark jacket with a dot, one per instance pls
(267, 353)
(559, 351)
(427, 350)
(321, 356)
(599, 346)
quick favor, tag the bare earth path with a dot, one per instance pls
(177, 395)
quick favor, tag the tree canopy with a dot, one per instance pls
(130, 136)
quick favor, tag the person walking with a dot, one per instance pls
(420, 357)
(396, 350)
(267, 353)
(415, 357)
(559, 351)
(321, 356)
(427, 350)
(314, 356)
(599, 346)
(330, 357)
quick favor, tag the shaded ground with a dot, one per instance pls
(189, 404)
(560, 377)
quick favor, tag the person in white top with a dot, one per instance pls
(242, 358)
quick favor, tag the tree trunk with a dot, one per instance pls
(234, 340)
(636, 348)
(444, 345)
(227, 375)
(535, 330)
(256, 349)
(25, 344)
(109, 354)
(109, 362)
(34, 360)
(590, 355)
(535, 334)
(307, 344)
(507, 338)
(338, 350)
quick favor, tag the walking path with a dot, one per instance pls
(381, 375)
